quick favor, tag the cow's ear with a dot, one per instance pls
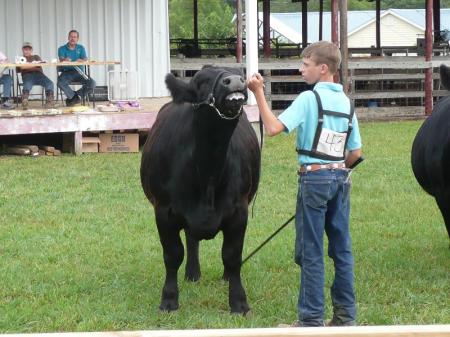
(445, 76)
(180, 90)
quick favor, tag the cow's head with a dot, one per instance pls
(222, 89)
(445, 76)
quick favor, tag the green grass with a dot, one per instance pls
(79, 249)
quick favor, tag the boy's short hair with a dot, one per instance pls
(324, 52)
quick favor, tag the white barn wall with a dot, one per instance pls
(136, 32)
(365, 38)
(394, 32)
(397, 32)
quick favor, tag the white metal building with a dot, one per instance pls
(135, 32)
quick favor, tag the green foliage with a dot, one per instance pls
(214, 19)
(410, 4)
(288, 6)
(215, 16)
(80, 250)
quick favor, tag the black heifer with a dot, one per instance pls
(430, 156)
(200, 170)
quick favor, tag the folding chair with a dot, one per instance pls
(19, 84)
(77, 85)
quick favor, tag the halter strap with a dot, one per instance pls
(210, 100)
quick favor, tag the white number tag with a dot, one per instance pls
(332, 143)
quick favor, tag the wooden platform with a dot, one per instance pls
(73, 124)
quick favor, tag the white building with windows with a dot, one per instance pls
(399, 27)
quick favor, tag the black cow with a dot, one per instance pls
(430, 155)
(200, 170)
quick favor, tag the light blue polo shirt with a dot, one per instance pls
(78, 53)
(302, 115)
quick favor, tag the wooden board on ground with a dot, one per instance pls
(47, 148)
(33, 148)
(21, 151)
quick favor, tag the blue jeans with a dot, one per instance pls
(67, 77)
(36, 78)
(6, 80)
(323, 205)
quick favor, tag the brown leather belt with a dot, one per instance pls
(315, 167)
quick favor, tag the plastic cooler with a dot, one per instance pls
(122, 86)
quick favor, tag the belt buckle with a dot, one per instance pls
(308, 168)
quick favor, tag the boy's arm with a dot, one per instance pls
(352, 157)
(271, 123)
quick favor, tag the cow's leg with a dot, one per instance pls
(443, 202)
(173, 251)
(233, 242)
(192, 263)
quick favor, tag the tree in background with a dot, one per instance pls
(214, 19)
(215, 16)
(281, 6)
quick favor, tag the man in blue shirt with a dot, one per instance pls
(328, 142)
(73, 52)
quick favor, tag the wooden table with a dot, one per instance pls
(58, 64)
(87, 63)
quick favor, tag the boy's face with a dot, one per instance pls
(311, 71)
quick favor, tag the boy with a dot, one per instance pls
(326, 147)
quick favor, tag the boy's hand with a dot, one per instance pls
(255, 83)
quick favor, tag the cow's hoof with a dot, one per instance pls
(192, 277)
(240, 308)
(192, 274)
(168, 305)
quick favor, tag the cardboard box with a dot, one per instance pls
(119, 142)
(90, 144)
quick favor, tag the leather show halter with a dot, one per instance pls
(210, 100)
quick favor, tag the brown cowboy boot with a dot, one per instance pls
(25, 95)
(50, 103)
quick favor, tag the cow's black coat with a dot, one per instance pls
(200, 171)
(430, 156)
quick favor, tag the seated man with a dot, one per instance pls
(72, 51)
(6, 81)
(35, 76)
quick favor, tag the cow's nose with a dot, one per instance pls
(234, 82)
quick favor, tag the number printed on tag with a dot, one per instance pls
(332, 143)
